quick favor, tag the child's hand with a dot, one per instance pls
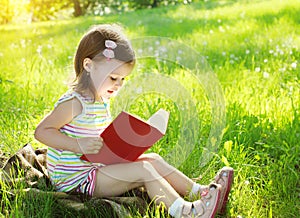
(90, 145)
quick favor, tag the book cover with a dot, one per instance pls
(128, 136)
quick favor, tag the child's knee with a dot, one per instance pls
(146, 170)
(146, 165)
(154, 156)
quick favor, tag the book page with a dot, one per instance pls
(159, 120)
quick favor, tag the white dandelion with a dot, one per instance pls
(294, 65)
(266, 75)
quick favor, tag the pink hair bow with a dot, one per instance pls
(108, 52)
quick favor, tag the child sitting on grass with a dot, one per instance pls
(104, 58)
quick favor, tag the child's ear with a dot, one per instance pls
(87, 64)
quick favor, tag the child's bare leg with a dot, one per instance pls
(113, 180)
(116, 179)
(180, 182)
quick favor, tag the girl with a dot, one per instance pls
(103, 59)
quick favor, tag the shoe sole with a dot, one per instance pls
(228, 188)
(217, 201)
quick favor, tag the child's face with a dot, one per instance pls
(114, 81)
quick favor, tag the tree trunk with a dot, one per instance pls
(77, 8)
(154, 4)
(7, 15)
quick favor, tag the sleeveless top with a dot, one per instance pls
(66, 170)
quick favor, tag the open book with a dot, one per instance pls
(128, 136)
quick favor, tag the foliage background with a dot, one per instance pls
(41, 10)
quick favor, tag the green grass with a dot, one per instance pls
(253, 48)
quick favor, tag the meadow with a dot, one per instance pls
(252, 48)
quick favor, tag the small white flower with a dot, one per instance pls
(257, 69)
(23, 43)
(204, 43)
(211, 31)
(232, 56)
(150, 48)
(294, 65)
(140, 50)
(266, 75)
(247, 182)
(223, 53)
(139, 90)
(39, 49)
(282, 69)
(247, 51)
(271, 51)
(242, 15)
(266, 60)
(163, 49)
(178, 58)
(13, 45)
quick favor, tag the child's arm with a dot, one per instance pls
(47, 132)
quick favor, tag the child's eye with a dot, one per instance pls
(113, 78)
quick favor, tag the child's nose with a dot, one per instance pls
(119, 82)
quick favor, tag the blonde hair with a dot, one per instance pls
(91, 45)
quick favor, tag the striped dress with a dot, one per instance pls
(66, 170)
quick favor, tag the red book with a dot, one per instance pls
(128, 136)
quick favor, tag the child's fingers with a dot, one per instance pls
(98, 142)
(91, 145)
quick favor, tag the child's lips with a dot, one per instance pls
(110, 91)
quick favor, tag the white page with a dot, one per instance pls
(159, 120)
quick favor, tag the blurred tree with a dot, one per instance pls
(7, 11)
(82, 7)
(46, 9)
(140, 4)
(97, 7)
(39, 10)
